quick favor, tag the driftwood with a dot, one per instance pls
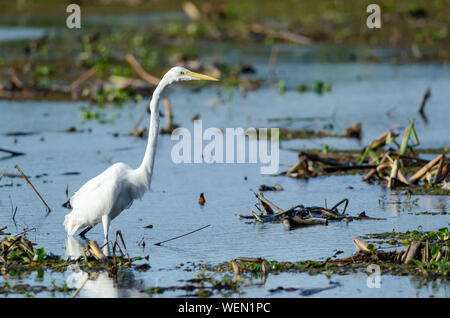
(419, 174)
(349, 167)
(303, 168)
(95, 250)
(363, 216)
(319, 158)
(360, 244)
(437, 167)
(374, 170)
(299, 215)
(442, 171)
(298, 221)
(268, 206)
(411, 252)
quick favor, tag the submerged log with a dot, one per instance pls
(298, 221)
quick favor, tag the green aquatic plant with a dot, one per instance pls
(319, 87)
(406, 137)
(88, 114)
(44, 70)
(281, 87)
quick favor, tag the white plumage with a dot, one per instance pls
(105, 196)
(114, 190)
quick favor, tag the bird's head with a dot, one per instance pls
(179, 73)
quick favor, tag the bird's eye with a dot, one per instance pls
(182, 73)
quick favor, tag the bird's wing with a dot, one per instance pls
(90, 186)
(105, 194)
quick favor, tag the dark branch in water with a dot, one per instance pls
(426, 96)
(174, 238)
(11, 153)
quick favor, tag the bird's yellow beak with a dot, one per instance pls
(201, 76)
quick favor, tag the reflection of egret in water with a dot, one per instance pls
(100, 284)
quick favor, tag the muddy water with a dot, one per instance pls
(379, 96)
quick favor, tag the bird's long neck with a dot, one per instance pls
(145, 170)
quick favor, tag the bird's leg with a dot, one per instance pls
(83, 233)
(105, 248)
(106, 220)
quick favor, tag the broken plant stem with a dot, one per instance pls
(266, 203)
(141, 72)
(95, 250)
(4, 255)
(119, 234)
(83, 77)
(174, 238)
(34, 189)
(419, 174)
(79, 288)
(424, 101)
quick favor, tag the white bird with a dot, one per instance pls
(105, 196)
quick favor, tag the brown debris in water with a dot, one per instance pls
(300, 216)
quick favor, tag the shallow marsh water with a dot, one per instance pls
(378, 95)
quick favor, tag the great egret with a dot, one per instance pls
(104, 197)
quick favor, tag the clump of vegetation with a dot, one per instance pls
(430, 262)
(319, 87)
(19, 256)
